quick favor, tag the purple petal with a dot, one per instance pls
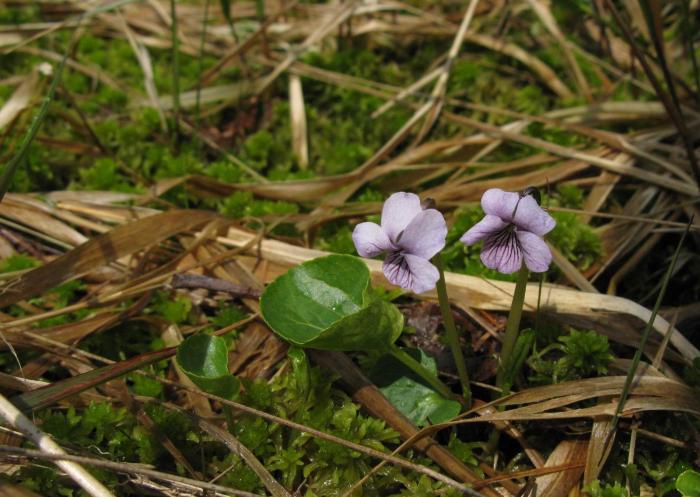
(499, 203)
(535, 251)
(489, 225)
(399, 210)
(410, 272)
(529, 216)
(370, 240)
(502, 252)
(425, 234)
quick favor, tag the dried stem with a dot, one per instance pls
(14, 417)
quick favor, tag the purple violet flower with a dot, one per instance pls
(410, 236)
(512, 231)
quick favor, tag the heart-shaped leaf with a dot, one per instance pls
(409, 393)
(204, 359)
(325, 304)
(688, 483)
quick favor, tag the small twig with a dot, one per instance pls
(244, 453)
(13, 417)
(129, 468)
(187, 280)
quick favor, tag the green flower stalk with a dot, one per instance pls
(451, 334)
(411, 235)
(512, 232)
(512, 331)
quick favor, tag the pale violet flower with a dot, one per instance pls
(410, 236)
(512, 231)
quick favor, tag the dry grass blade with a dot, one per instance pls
(544, 12)
(331, 21)
(567, 452)
(50, 394)
(297, 112)
(39, 220)
(20, 99)
(598, 449)
(144, 59)
(555, 401)
(230, 93)
(101, 250)
(607, 164)
(438, 94)
(546, 74)
(186, 484)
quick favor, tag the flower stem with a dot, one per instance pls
(451, 333)
(512, 328)
(421, 371)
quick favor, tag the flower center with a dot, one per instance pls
(504, 240)
(397, 270)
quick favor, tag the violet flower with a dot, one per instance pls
(410, 236)
(512, 232)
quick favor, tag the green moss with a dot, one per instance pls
(18, 262)
(340, 241)
(580, 354)
(576, 240)
(226, 172)
(103, 174)
(243, 204)
(19, 14)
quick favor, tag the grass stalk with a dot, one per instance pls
(10, 169)
(647, 330)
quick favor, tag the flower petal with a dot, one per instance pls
(410, 272)
(425, 234)
(490, 224)
(502, 252)
(370, 240)
(536, 253)
(499, 203)
(529, 216)
(399, 210)
(425, 274)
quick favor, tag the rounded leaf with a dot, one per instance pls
(204, 359)
(324, 303)
(688, 483)
(410, 394)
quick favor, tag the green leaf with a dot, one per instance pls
(204, 359)
(373, 328)
(325, 303)
(409, 393)
(688, 483)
